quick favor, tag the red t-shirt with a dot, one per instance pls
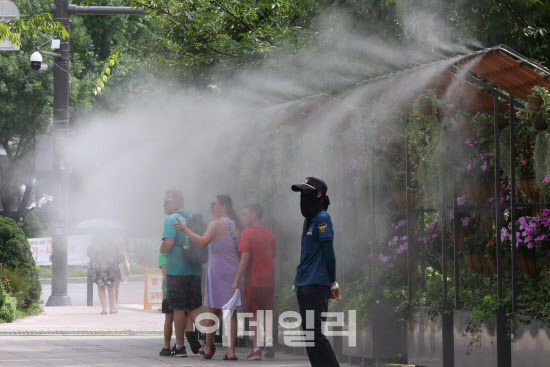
(261, 245)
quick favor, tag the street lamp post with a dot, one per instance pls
(62, 11)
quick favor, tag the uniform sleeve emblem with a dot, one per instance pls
(322, 228)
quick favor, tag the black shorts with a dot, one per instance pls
(166, 308)
(184, 291)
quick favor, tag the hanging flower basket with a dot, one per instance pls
(534, 103)
(479, 192)
(400, 198)
(530, 266)
(529, 188)
(426, 106)
(477, 263)
(538, 123)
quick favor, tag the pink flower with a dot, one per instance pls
(461, 199)
(468, 166)
(547, 178)
(431, 226)
(484, 166)
(530, 245)
(465, 221)
(540, 238)
(383, 258)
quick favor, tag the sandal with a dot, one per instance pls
(234, 358)
(104, 312)
(208, 356)
(113, 311)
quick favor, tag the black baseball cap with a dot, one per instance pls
(311, 183)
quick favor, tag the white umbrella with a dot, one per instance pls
(100, 225)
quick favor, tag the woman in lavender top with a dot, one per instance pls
(221, 237)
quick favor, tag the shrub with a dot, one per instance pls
(7, 306)
(15, 255)
(32, 227)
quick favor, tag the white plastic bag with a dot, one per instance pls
(230, 306)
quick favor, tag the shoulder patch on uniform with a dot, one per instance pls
(322, 228)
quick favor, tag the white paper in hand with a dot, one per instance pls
(230, 306)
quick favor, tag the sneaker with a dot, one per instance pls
(193, 341)
(269, 352)
(165, 352)
(255, 356)
(179, 352)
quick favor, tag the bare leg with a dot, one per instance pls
(102, 298)
(255, 330)
(168, 320)
(233, 337)
(117, 285)
(180, 320)
(112, 301)
(210, 336)
(189, 324)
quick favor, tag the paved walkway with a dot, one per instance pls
(54, 339)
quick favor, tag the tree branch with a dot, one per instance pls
(233, 15)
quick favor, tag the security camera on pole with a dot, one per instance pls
(62, 11)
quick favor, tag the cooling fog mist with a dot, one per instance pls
(261, 133)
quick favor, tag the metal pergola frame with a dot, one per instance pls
(503, 340)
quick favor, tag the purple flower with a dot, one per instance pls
(465, 221)
(383, 258)
(434, 235)
(451, 214)
(540, 238)
(547, 178)
(402, 222)
(468, 166)
(530, 245)
(504, 235)
(404, 238)
(476, 291)
(484, 166)
(467, 142)
(461, 199)
(431, 226)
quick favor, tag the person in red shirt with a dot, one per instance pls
(258, 251)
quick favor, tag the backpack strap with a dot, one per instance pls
(226, 221)
(187, 217)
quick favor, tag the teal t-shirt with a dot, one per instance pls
(175, 264)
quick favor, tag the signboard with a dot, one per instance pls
(76, 252)
(153, 288)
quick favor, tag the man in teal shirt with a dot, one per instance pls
(183, 280)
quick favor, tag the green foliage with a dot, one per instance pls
(31, 27)
(32, 227)
(16, 256)
(541, 163)
(8, 309)
(475, 243)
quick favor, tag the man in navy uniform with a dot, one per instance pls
(316, 273)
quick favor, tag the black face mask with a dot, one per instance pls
(310, 204)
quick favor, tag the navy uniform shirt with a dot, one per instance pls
(317, 259)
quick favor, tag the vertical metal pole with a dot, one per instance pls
(410, 265)
(423, 251)
(447, 317)
(89, 290)
(504, 354)
(455, 250)
(373, 213)
(513, 203)
(59, 295)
